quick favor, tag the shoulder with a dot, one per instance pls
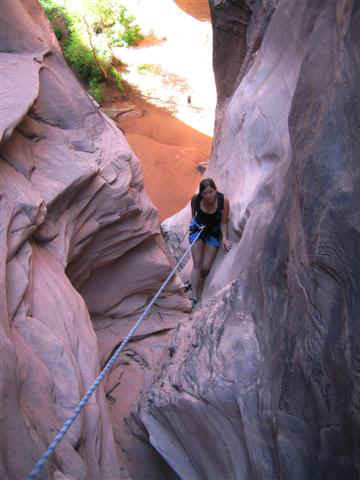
(194, 204)
(224, 202)
(226, 205)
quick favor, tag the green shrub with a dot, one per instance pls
(81, 59)
(58, 32)
(92, 27)
(96, 90)
(132, 35)
(111, 19)
(116, 76)
(56, 12)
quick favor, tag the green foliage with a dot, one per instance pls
(96, 89)
(132, 35)
(88, 30)
(57, 15)
(81, 59)
(111, 19)
(52, 9)
(58, 32)
(116, 76)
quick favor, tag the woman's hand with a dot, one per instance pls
(227, 244)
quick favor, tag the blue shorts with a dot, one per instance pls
(212, 238)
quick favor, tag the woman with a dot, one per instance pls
(211, 209)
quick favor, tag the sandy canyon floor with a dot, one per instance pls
(167, 107)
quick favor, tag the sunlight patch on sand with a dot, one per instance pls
(174, 70)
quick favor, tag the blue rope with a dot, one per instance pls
(60, 435)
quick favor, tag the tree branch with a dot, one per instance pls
(98, 63)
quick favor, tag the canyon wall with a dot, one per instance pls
(263, 380)
(81, 255)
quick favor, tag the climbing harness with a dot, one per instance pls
(60, 435)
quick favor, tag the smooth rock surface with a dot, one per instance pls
(263, 381)
(81, 255)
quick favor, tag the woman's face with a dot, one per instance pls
(209, 194)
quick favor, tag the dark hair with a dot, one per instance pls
(205, 183)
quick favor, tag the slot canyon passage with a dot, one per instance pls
(260, 381)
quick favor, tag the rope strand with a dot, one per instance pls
(60, 435)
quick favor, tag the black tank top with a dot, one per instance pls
(208, 219)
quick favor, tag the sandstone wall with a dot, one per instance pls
(196, 8)
(81, 255)
(263, 383)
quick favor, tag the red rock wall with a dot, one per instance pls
(81, 255)
(198, 9)
(263, 383)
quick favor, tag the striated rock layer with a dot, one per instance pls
(263, 381)
(81, 255)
